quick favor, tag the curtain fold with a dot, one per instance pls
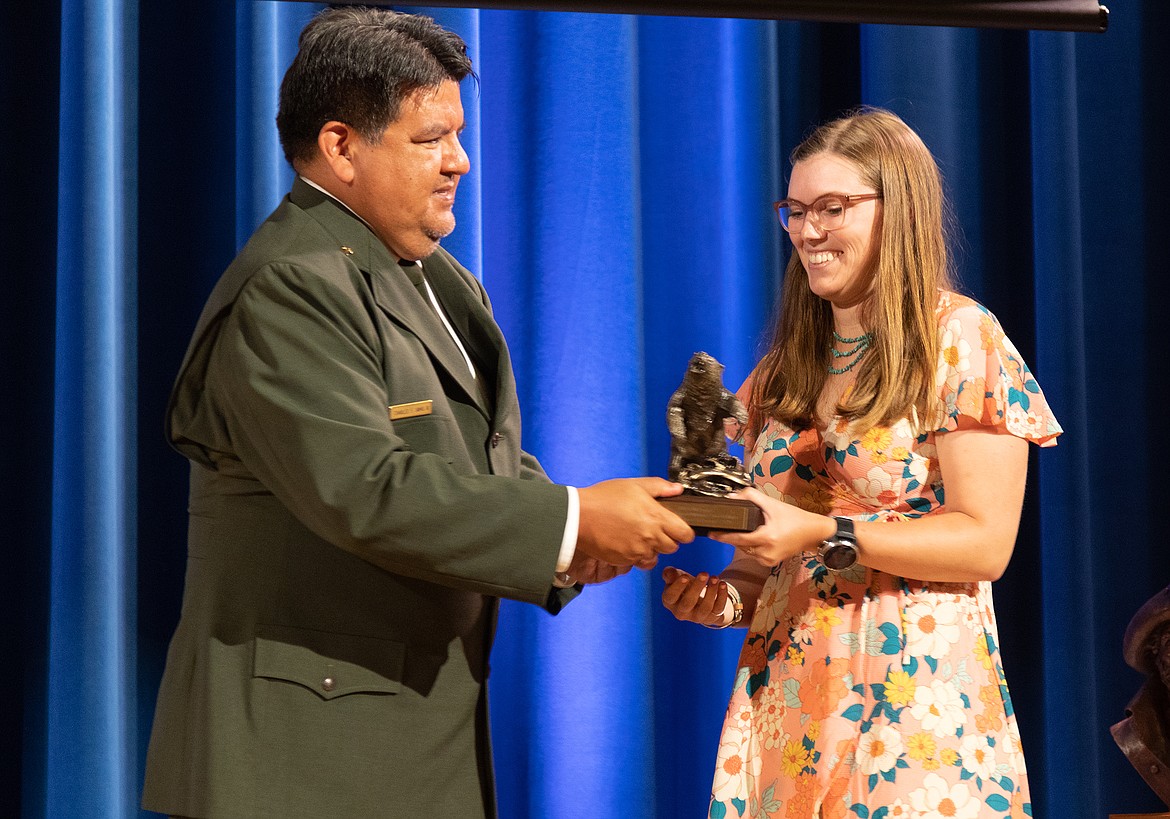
(562, 261)
(266, 42)
(711, 266)
(90, 687)
(1067, 561)
(618, 211)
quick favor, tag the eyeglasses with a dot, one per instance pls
(827, 213)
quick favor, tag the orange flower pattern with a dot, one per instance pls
(862, 695)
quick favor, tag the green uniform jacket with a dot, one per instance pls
(343, 568)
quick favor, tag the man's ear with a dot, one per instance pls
(336, 144)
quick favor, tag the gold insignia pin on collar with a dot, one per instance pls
(348, 251)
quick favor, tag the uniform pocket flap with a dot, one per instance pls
(331, 665)
(427, 433)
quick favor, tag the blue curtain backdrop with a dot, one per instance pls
(618, 212)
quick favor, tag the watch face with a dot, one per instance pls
(839, 554)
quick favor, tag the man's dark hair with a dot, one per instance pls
(357, 65)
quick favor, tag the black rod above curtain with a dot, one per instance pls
(1054, 15)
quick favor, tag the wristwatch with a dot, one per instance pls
(840, 551)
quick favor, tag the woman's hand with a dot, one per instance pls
(787, 530)
(698, 599)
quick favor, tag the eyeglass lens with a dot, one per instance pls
(827, 213)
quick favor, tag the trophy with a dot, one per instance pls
(1144, 735)
(699, 459)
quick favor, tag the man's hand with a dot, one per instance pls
(591, 571)
(622, 524)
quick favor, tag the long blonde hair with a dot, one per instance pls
(896, 378)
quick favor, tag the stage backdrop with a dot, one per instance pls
(619, 214)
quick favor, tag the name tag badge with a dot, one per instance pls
(411, 410)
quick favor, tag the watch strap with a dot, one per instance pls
(845, 528)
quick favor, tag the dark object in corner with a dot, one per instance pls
(1144, 734)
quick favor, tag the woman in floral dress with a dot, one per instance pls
(870, 684)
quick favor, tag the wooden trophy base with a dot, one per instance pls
(704, 513)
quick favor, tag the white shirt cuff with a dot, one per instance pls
(569, 541)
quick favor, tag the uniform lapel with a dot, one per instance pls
(393, 291)
(471, 319)
(402, 302)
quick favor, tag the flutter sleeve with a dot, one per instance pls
(982, 376)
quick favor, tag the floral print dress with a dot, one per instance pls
(861, 694)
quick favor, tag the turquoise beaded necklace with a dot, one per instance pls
(861, 344)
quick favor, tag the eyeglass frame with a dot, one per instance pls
(848, 200)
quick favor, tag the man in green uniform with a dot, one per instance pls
(359, 496)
